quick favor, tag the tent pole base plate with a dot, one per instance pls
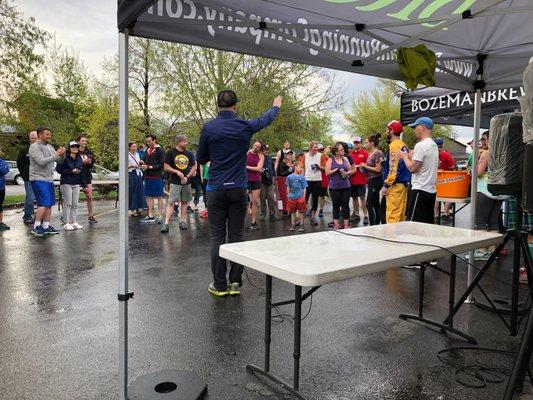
(168, 384)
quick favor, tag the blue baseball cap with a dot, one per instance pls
(426, 121)
(439, 142)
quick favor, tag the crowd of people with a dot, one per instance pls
(235, 179)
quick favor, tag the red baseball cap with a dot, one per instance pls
(395, 126)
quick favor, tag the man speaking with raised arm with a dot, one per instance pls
(224, 141)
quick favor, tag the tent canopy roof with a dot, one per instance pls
(352, 35)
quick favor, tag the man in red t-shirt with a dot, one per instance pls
(358, 181)
(446, 161)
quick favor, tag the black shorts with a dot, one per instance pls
(421, 207)
(255, 185)
(358, 191)
(323, 192)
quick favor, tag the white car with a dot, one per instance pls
(14, 176)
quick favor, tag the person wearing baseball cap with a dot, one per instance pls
(224, 142)
(396, 175)
(358, 181)
(423, 165)
(70, 168)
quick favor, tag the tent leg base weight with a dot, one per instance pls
(168, 384)
(503, 305)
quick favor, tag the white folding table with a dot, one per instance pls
(306, 260)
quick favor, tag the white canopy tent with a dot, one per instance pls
(480, 44)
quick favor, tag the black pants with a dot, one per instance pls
(487, 213)
(383, 210)
(204, 191)
(340, 199)
(227, 212)
(196, 184)
(372, 200)
(421, 206)
(2, 197)
(313, 189)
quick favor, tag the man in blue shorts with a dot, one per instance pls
(42, 158)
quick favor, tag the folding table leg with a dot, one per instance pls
(297, 334)
(268, 321)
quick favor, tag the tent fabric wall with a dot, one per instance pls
(450, 107)
(330, 33)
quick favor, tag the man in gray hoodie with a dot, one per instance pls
(42, 157)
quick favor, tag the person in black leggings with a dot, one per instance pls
(373, 167)
(339, 170)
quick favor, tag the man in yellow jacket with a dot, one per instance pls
(396, 175)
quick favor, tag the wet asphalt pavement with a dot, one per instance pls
(59, 320)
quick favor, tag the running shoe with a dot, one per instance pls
(51, 230)
(301, 229)
(314, 221)
(365, 221)
(331, 224)
(77, 226)
(320, 213)
(308, 213)
(4, 227)
(355, 217)
(68, 227)
(92, 220)
(482, 255)
(233, 289)
(148, 219)
(183, 225)
(433, 263)
(190, 210)
(292, 228)
(215, 292)
(254, 226)
(159, 219)
(203, 214)
(38, 231)
(273, 218)
(164, 228)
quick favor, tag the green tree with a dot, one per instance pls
(370, 112)
(192, 76)
(19, 59)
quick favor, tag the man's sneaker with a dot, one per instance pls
(190, 210)
(301, 228)
(147, 220)
(365, 221)
(273, 218)
(233, 289)
(183, 225)
(4, 227)
(203, 214)
(433, 263)
(412, 266)
(164, 228)
(159, 219)
(254, 226)
(320, 213)
(482, 255)
(51, 230)
(68, 227)
(215, 292)
(292, 228)
(297, 223)
(314, 221)
(331, 224)
(38, 231)
(308, 213)
(77, 226)
(92, 220)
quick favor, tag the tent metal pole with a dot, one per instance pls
(123, 294)
(473, 191)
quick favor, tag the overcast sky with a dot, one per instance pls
(88, 27)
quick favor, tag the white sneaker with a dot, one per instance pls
(68, 227)
(77, 226)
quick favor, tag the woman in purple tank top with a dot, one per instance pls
(254, 165)
(339, 171)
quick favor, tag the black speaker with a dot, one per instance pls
(527, 187)
(506, 154)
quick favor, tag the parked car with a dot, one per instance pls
(103, 174)
(13, 176)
